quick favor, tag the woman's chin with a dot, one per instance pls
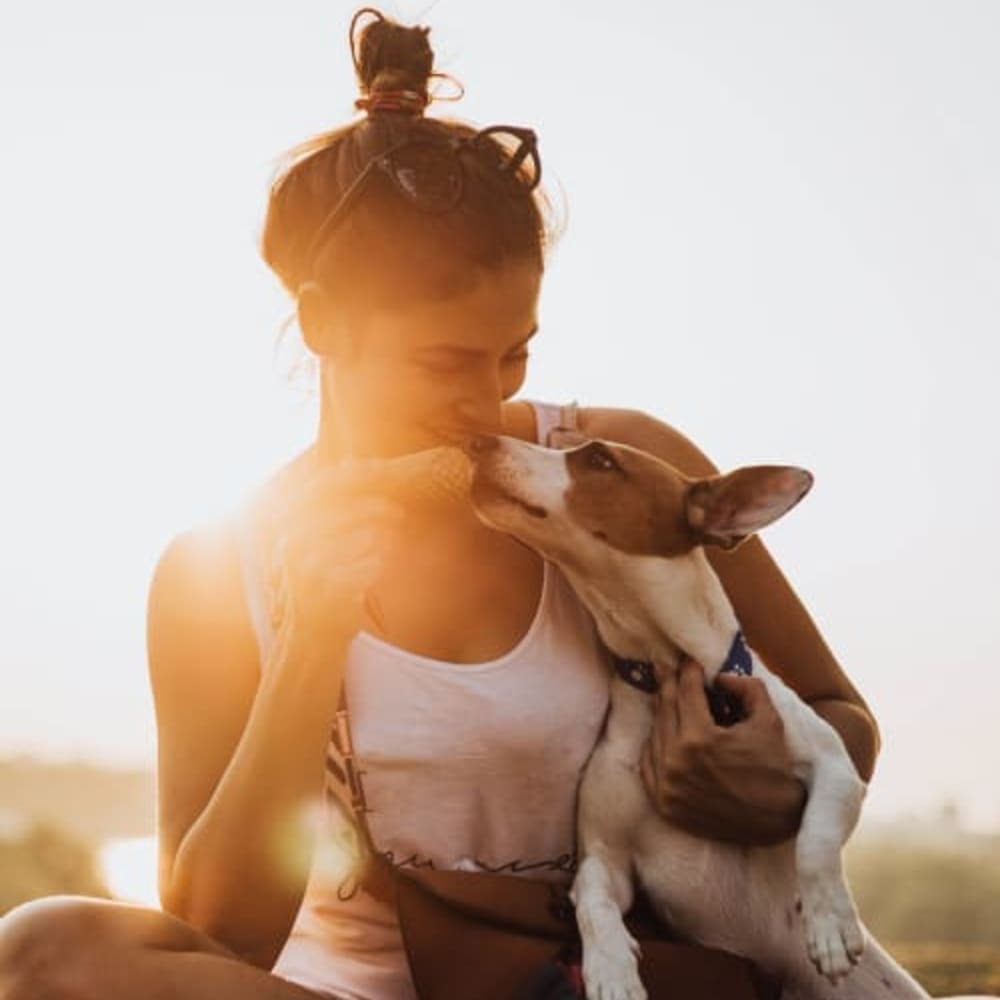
(434, 437)
(398, 448)
(420, 437)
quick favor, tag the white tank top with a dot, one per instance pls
(464, 766)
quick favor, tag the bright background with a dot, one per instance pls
(784, 238)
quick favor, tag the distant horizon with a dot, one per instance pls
(948, 811)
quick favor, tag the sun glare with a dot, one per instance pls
(129, 870)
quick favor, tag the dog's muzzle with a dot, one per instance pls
(488, 480)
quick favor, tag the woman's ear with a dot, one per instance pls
(323, 335)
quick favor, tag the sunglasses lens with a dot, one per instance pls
(428, 175)
(515, 151)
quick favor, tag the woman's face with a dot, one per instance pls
(434, 372)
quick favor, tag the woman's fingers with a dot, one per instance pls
(694, 716)
(435, 474)
(336, 499)
(750, 691)
(734, 783)
(649, 768)
(331, 551)
(665, 720)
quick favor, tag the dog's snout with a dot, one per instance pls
(481, 444)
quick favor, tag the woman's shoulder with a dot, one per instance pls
(201, 564)
(197, 575)
(648, 433)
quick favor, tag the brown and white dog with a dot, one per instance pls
(628, 532)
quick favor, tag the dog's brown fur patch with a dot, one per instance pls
(638, 508)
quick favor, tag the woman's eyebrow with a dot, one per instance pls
(458, 351)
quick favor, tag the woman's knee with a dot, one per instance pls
(55, 948)
(37, 941)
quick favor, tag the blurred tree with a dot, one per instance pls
(90, 802)
(46, 861)
(922, 893)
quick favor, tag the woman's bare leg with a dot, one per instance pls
(72, 948)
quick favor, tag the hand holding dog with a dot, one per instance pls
(732, 784)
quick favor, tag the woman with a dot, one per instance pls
(414, 251)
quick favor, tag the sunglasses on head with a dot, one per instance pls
(428, 172)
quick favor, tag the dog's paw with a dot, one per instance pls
(613, 974)
(834, 938)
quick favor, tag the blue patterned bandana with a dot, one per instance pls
(725, 709)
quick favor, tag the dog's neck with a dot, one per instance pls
(658, 609)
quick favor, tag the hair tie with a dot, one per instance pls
(406, 101)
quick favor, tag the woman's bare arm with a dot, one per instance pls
(242, 745)
(783, 634)
(240, 759)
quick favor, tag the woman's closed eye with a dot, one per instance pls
(455, 363)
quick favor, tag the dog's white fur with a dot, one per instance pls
(786, 907)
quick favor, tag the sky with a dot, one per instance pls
(782, 236)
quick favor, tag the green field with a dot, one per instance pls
(935, 906)
(951, 969)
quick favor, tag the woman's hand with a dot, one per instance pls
(329, 550)
(732, 784)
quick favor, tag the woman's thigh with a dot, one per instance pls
(71, 948)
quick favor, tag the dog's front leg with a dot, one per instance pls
(834, 937)
(602, 892)
(612, 801)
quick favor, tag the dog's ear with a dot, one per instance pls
(566, 437)
(724, 510)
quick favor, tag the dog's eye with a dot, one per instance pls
(598, 458)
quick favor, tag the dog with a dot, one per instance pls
(628, 531)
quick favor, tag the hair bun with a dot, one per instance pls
(391, 60)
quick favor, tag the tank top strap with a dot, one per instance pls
(549, 416)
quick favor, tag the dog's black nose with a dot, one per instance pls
(480, 444)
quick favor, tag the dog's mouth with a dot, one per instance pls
(486, 490)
